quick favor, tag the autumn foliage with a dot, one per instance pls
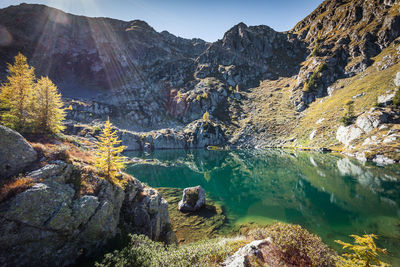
(364, 252)
(27, 105)
(108, 159)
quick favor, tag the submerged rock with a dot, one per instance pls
(15, 153)
(194, 198)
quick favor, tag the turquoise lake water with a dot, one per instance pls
(330, 195)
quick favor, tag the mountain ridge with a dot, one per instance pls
(146, 80)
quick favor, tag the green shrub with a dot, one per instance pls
(348, 116)
(142, 251)
(396, 98)
(347, 120)
(315, 51)
(312, 84)
(299, 247)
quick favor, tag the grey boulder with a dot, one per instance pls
(15, 153)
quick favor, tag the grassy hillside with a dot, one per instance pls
(269, 112)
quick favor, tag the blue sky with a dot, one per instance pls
(206, 19)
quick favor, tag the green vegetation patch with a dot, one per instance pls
(142, 251)
(312, 84)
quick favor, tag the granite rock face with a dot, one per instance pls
(197, 134)
(365, 123)
(397, 79)
(52, 224)
(15, 153)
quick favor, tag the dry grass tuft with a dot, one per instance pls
(18, 185)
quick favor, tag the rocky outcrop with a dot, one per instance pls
(144, 211)
(52, 223)
(193, 199)
(397, 79)
(15, 153)
(264, 53)
(365, 123)
(344, 35)
(386, 99)
(198, 134)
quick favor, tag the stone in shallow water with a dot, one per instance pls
(194, 198)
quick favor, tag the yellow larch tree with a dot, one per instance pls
(49, 112)
(109, 159)
(364, 253)
(16, 94)
(206, 117)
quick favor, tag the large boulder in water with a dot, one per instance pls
(15, 153)
(194, 198)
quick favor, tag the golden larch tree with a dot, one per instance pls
(206, 117)
(49, 112)
(109, 159)
(16, 94)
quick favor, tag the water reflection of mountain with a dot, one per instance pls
(331, 195)
(277, 177)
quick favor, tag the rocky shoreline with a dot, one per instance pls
(66, 210)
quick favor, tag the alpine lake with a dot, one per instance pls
(328, 194)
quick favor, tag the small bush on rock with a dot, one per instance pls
(299, 247)
(206, 117)
(348, 116)
(312, 84)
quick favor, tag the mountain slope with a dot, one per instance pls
(261, 86)
(345, 35)
(90, 52)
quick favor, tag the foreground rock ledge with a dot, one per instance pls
(51, 224)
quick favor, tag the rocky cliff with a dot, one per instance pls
(62, 210)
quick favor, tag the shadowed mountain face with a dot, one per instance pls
(78, 51)
(130, 65)
(83, 53)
